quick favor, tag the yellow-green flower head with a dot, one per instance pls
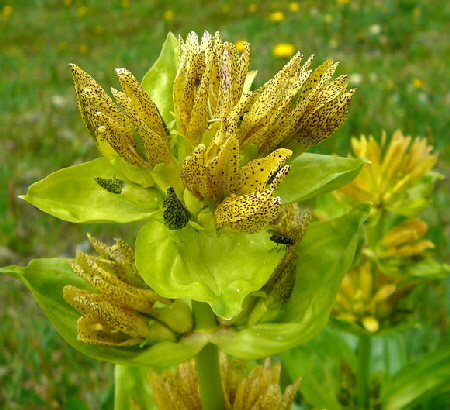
(296, 109)
(218, 188)
(115, 130)
(209, 82)
(396, 166)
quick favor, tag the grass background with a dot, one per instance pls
(397, 54)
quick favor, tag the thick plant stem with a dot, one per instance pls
(363, 371)
(209, 378)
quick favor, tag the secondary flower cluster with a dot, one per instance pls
(121, 309)
(259, 390)
(374, 293)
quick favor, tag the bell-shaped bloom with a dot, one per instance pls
(209, 82)
(115, 130)
(298, 108)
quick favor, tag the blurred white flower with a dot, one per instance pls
(355, 78)
(58, 100)
(375, 29)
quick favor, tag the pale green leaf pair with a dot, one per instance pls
(73, 195)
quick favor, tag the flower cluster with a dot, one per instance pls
(374, 294)
(219, 116)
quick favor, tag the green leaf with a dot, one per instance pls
(388, 353)
(326, 254)
(73, 195)
(46, 279)
(319, 362)
(314, 174)
(158, 82)
(132, 389)
(219, 270)
(417, 380)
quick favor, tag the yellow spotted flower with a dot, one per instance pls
(296, 109)
(215, 173)
(116, 130)
(209, 82)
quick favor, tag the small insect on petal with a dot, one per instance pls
(282, 239)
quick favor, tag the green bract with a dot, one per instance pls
(73, 195)
(207, 267)
(158, 82)
(314, 174)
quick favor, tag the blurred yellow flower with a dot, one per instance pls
(415, 13)
(404, 241)
(125, 3)
(226, 8)
(83, 49)
(395, 167)
(67, 2)
(6, 12)
(328, 17)
(283, 50)
(372, 300)
(333, 43)
(252, 7)
(240, 45)
(294, 7)
(168, 15)
(417, 83)
(276, 16)
(82, 11)
(343, 1)
(99, 29)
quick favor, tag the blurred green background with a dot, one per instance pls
(396, 53)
